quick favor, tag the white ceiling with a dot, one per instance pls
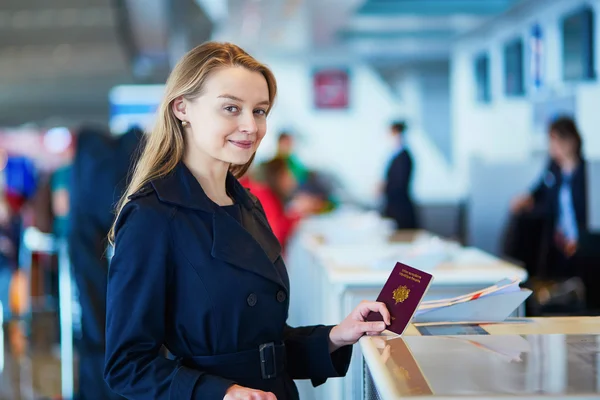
(388, 31)
(59, 58)
(55, 55)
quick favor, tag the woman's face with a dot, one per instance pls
(227, 121)
(560, 149)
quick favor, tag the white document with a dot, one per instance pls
(489, 308)
(504, 286)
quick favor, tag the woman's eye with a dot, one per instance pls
(232, 109)
(260, 112)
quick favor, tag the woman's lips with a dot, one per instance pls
(242, 144)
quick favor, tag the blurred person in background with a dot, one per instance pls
(20, 184)
(285, 151)
(14, 287)
(50, 209)
(551, 233)
(313, 196)
(559, 199)
(398, 179)
(21, 181)
(100, 167)
(9, 234)
(284, 201)
(60, 182)
(312, 181)
(274, 191)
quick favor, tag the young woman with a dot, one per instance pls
(196, 267)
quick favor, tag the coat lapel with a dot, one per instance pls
(256, 224)
(250, 245)
(247, 248)
(259, 249)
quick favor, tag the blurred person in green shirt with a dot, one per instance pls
(285, 150)
(304, 176)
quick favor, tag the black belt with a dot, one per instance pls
(265, 362)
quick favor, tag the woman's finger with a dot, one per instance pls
(368, 306)
(373, 327)
(385, 313)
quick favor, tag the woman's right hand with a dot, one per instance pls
(237, 392)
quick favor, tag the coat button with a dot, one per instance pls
(281, 296)
(251, 299)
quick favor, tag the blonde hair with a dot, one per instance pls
(164, 147)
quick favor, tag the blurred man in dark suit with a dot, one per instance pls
(398, 202)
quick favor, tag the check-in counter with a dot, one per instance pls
(329, 279)
(537, 358)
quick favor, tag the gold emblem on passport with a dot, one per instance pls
(401, 294)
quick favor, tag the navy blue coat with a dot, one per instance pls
(211, 287)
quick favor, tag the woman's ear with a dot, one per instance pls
(179, 108)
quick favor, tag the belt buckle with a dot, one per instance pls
(263, 350)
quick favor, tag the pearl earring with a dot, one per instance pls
(184, 123)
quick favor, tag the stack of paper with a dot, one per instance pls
(504, 286)
(494, 303)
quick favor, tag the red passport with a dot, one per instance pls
(402, 294)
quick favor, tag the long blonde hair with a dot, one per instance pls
(164, 147)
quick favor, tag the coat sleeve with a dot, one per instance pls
(307, 350)
(135, 316)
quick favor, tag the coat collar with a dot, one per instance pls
(261, 248)
(181, 188)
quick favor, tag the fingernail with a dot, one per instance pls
(381, 325)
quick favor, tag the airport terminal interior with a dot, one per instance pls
(439, 156)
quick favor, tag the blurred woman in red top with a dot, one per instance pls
(273, 189)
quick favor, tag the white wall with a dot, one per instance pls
(435, 89)
(353, 144)
(504, 130)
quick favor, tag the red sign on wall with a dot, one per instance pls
(331, 89)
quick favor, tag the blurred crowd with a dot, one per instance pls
(287, 189)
